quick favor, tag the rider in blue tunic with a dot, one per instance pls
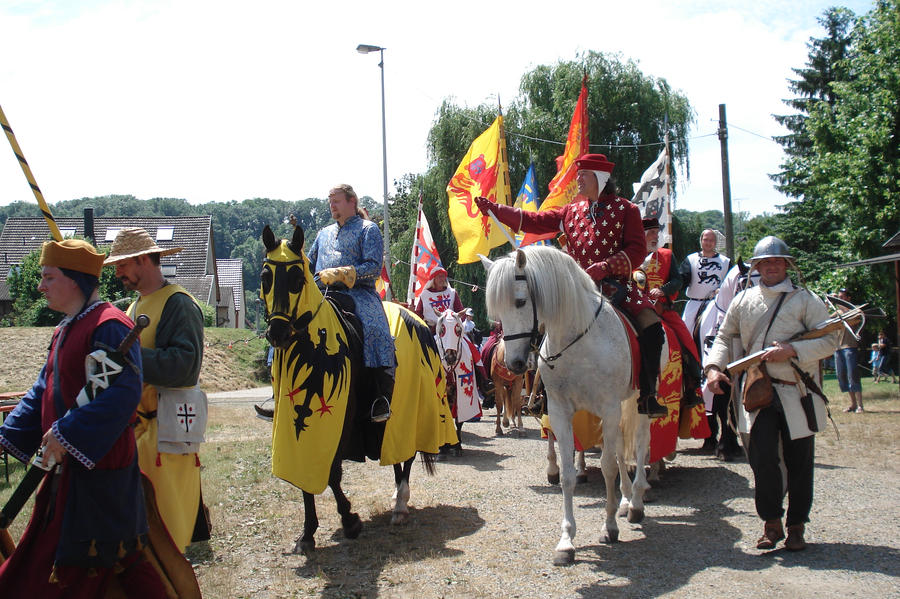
(347, 257)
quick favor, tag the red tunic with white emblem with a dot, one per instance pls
(608, 230)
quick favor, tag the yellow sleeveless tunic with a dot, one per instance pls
(176, 478)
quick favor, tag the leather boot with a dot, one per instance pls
(772, 533)
(795, 541)
(384, 391)
(650, 341)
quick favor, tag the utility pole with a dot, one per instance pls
(726, 184)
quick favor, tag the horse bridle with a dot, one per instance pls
(535, 336)
(458, 349)
(291, 320)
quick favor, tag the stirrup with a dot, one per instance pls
(380, 416)
(264, 413)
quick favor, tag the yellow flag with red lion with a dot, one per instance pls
(483, 172)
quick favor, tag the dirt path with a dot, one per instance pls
(486, 525)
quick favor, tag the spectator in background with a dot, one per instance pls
(883, 358)
(846, 359)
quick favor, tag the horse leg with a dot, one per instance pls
(400, 513)
(565, 550)
(640, 486)
(507, 404)
(306, 544)
(499, 403)
(608, 460)
(580, 468)
(457, 449)
(349, 521)
(552, 466)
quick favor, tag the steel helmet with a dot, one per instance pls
(771, 247)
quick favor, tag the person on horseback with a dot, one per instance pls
(606, 237)
(663, 282)
(437, 297)
(346, 258)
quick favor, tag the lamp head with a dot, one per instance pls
(366, 48)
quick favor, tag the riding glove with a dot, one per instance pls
(340, 274)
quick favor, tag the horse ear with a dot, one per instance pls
(268, 239)
(296, 243)
(486, 262)
(743, 267)
(520, 259)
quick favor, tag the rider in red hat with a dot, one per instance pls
(606, 237)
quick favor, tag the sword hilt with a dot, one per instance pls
(134, 334)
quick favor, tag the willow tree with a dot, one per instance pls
(629, 115)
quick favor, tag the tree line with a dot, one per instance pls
(839, 177)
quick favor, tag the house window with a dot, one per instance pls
(67, 232)
(164, 233)
(112, 232)
(168, 270)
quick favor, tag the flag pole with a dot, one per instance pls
(668, 189)
(45, 209)
(414, 255)
(500, 226)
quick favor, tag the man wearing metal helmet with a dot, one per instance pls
(436, 298)
(764, 317)
(606, 237)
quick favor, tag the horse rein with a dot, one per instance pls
(458, 350)
(535, 336)
(292, 320)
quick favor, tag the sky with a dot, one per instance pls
(222, 100)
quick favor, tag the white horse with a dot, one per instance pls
(585, 365)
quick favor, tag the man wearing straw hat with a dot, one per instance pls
(89, 521)
(172, 352)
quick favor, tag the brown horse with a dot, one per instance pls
(507, 391)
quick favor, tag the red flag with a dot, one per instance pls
(424, 259)
(563, 187)
(383, 284)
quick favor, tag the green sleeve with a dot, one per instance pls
(179, 345)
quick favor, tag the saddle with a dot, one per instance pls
(345, 308)
(631, 332)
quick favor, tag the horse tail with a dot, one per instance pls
(428, 461)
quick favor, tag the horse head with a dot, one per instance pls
(449, 334)
(512, 299)
(284, 278)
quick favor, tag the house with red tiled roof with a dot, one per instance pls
(194, 268)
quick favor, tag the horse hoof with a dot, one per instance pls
(352, 526)
(635, 516)
(399, 518)
(305, 547)
(498, 432)
(564, 558)
(553, 479)
(611, 536)
(581, 479)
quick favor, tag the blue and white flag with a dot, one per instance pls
(528, 200)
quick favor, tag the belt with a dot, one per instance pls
(781, 382)
(152, 415)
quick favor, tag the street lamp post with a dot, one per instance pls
(365, 49)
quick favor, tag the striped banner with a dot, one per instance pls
(45, 209)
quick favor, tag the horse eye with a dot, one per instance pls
(458, 330)
(266, 279)
(443, 329)
(520, 303)
(295, 280)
